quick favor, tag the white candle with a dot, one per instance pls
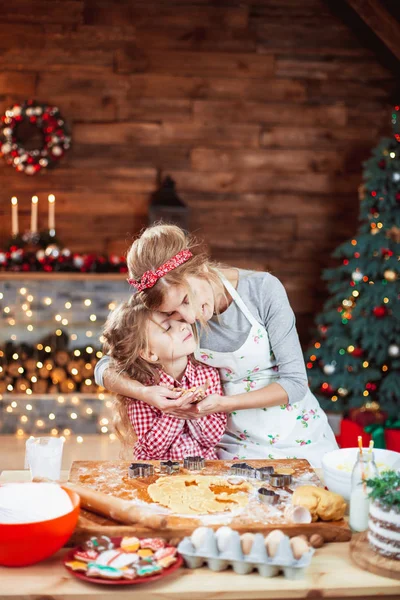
(52, 207)
(34, 214)
(14, 215)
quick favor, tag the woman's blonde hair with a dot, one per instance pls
(154, 247)
(125, 335)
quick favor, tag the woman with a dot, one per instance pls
(247, 331)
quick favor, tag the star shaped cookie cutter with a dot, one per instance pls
(267, 496)
(194, 463)
(169, 466)
(140, 470)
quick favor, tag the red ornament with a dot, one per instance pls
(357, 352)
(386, 252)
(379, 311)
(371, 387)
(327, 389)
(382, 164)
(398, 196)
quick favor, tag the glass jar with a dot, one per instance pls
(364, 468)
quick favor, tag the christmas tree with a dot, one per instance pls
(355, 357)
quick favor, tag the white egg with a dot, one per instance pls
(198, 536)
(223, 535)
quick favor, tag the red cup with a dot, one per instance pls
(28, 543)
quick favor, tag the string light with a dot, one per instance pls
(87, 302)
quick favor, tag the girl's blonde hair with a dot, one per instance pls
(125, 335)
(154, 247)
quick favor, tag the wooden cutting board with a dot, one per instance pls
(111, 477)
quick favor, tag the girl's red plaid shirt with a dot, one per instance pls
(162, 437)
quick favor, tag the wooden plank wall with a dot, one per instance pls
(261, 110)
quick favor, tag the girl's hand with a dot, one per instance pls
(189, 412)
(163, 398)
(212, 404)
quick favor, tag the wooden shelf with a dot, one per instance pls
(56, 275)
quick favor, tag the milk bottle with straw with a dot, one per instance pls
(363, 469)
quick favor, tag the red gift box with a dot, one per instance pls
(349, 432)
(392, 439)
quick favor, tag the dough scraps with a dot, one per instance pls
(199, 494)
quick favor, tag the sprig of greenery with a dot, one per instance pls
(385, 488)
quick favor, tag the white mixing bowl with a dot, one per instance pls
(338, 465)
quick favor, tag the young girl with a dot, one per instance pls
(250, 337)
(153, 349)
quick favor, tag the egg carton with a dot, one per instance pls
(231, 555)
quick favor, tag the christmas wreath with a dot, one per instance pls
(33, 136)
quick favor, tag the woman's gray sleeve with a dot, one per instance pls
(99, 369)
(280, 324)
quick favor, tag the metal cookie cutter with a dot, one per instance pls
(169, 466)
(286, 478)
(140, 470)
(194, 463)
(242, 470)
(277, 480)
(264, 473)
(267, 496)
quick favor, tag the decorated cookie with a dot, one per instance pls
(86, 556)
(128, 573)
(166, 562)
(99, 543)
(77, 565)
(130, 544)
(103, 571)
(145, 552)
(117, 558)
(152, 543)
(147, 570)
(164, 552)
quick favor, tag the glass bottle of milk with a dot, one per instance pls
(365, 468)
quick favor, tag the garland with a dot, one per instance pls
(51, 126)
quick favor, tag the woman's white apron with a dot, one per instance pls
(299, 430)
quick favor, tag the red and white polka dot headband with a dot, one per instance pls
(150, 278)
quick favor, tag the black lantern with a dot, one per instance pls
(165, 205)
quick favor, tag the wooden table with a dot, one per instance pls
(331, 575)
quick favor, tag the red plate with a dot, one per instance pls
(117, 540)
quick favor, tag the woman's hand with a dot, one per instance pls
(162, 397)
(212, 404)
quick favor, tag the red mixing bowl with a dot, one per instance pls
(28, 543)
